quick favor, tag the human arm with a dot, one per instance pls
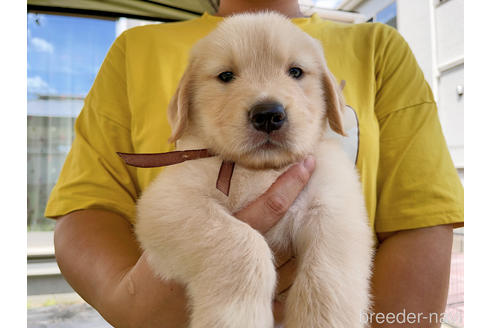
(99, 256)
(420, 197)
(411, 274)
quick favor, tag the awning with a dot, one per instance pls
(163, 10)
(159, 10)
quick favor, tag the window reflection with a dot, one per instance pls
(387, 15)
(64, 54)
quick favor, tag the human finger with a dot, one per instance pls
(263, 213)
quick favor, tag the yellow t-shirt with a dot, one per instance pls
(408, 177)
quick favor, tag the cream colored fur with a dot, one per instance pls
(184, 223)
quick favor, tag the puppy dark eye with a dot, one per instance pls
(226, 76)
(295, 72)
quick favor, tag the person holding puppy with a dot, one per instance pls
(412, 192)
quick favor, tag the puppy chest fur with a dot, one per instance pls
(250, 96)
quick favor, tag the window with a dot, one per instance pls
(387, 15)
(64, 54)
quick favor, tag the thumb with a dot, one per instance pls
(263, 213)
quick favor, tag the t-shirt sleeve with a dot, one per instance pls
(417, 184)
(93, 176)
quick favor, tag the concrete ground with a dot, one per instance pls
(70, 311)
(62, 311)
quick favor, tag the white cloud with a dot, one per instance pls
(37, 85)
(42, 45)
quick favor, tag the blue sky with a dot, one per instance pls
(64, 53)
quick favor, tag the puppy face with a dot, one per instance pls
(257, 91)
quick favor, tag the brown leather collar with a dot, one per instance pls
(175, 157)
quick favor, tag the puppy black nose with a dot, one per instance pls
(267, 116)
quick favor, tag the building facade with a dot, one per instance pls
(434, 31)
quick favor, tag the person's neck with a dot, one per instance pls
(289, 8)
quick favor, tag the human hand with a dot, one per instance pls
(263, 213)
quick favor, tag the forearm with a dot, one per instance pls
(99, 256)
(411, 276)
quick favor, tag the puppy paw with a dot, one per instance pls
(312, 304)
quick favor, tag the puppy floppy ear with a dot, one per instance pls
(334, 101)
(179, 106)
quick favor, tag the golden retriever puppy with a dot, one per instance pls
(257, 92)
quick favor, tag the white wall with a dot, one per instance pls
(449, 30)
(451, 110)
(414, 24)
(450, 74)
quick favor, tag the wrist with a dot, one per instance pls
(115, 302)
(139, 298)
